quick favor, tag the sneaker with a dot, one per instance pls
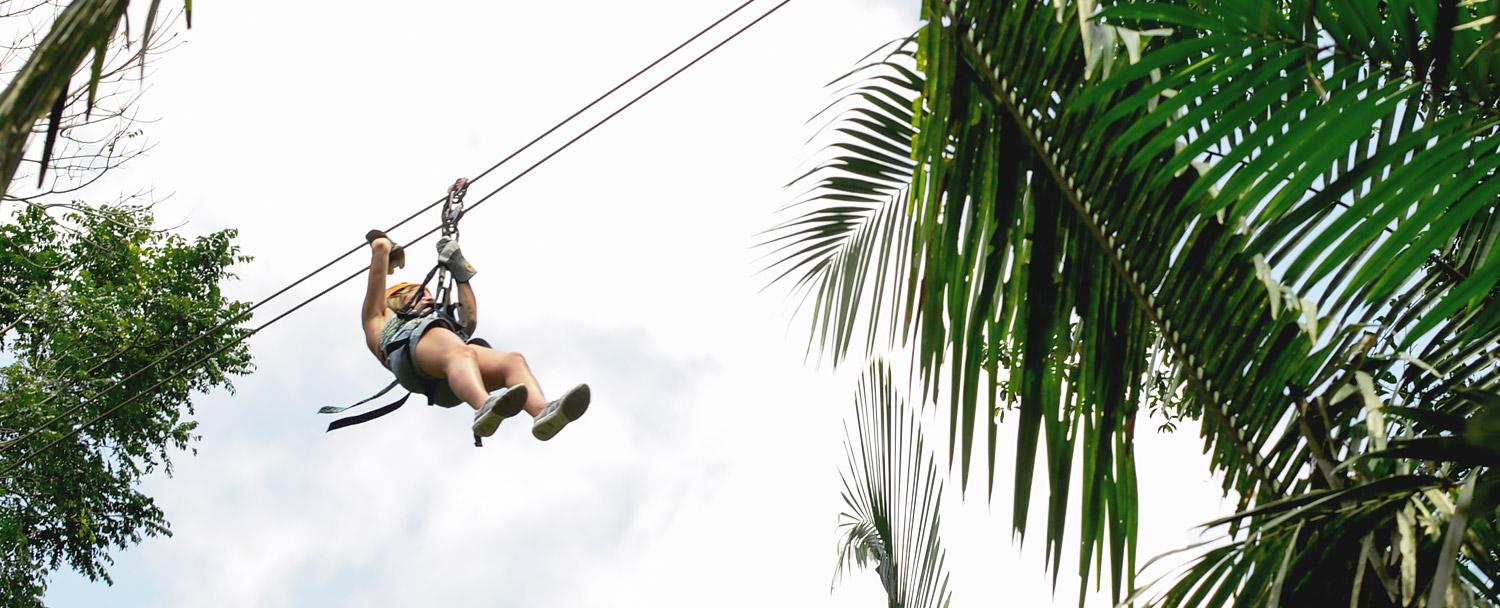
(502, 404)
(560, 412)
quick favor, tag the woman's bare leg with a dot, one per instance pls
(441, 354)
(501, 368)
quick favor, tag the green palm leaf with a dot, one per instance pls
(1109, 268)
(1390, 168)
(1201, 206)
(848, 245)
(1391, 540)
(892, 494)
(1353, 143)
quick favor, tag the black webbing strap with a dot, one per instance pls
(370, 415)
(407, 308)
(443, 299)
(329, 409)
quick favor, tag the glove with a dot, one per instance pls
(398, 253)
(452, 257)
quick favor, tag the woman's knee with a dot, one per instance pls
(498, 360)
(462, 356)
(509, 362)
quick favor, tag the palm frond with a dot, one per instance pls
(1232, 201)
(1357, 141)
(1393, 539)
(42, 86)
(1110, 267)
(1353, 144)
(849, 253)
(893, 492)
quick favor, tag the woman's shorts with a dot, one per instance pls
(402, 362)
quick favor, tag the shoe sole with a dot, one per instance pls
(574, 404)
(506, 406)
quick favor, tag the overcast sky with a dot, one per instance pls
(705, 473)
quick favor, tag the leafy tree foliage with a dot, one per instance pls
(75, 291)
(1287, 208)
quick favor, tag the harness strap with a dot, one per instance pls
(390, 407)
(408, 308)
(370, 415)
(329, 409)
(443, 295)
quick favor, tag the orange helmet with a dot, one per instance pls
(391, 291)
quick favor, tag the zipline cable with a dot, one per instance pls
(4, 445)
(611, 115)
(106, 413)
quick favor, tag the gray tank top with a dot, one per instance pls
(396, 328)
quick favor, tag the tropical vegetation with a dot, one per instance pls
(96, 301)
(892, 493)
(1278, 219)
(88, 300)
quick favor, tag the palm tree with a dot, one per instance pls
(1286, 208)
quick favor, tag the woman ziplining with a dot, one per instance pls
(426, 343)
(408, 332)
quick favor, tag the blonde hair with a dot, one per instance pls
(395, 298)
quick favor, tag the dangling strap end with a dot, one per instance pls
(367, 416)
(331, 409)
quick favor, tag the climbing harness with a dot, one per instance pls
(399, 351)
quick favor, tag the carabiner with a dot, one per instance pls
(453, 208)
